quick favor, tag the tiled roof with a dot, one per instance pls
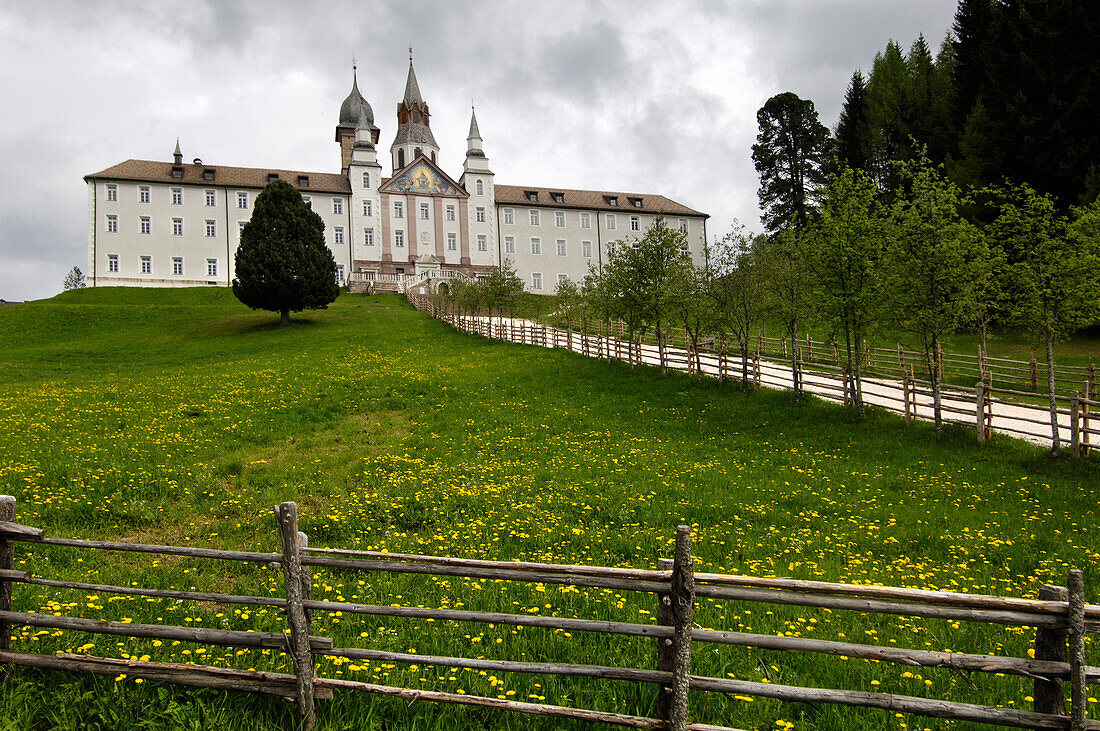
(592, 199)
(151, 171)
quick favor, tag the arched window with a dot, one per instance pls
(400, 158)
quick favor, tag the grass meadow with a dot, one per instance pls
(182, 417)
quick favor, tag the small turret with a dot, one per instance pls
(177, 156)
(476, 161)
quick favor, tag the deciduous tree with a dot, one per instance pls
(929, 263)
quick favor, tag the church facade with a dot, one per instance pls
(173, 223)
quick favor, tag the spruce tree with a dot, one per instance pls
(854, 135)
(282, 262)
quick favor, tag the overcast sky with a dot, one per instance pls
(648, 97)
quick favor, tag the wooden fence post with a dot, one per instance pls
(1078, 708)
(683, 611)
(1034, 368)
(906, 396)
(665, 655)
(7, 561)
(1075, 425)
(979, 402)
(1085, 419)
(1050, 644)
(298, 641)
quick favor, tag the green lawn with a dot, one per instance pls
(181, 417)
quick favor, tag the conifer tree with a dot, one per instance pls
(282, 262)
(790, 152)
(854, 135)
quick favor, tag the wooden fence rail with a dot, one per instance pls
(1060, 615)
(892, 384)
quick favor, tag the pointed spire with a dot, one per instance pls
(177, 156)
(412, 89)
(475, 134)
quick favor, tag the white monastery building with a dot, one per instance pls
(178, 224)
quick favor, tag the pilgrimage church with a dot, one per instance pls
(178, 223)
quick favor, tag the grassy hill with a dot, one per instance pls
(181, 417)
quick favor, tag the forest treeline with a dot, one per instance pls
(1013, 94)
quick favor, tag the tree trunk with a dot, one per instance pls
(744, 343)
(854, 370)
(1056, 442)
(284, 317)
(661, 350)
(796, 380)
(934, 378)
(982, 327)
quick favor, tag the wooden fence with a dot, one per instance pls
(988, 406)
(1061, 618)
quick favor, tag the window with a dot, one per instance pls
(368, 237)
(211, 228)
(509, 244)
(112, 192)
(635, 223)
(112, 263)
(177, 266)
(399, 238)
(272, 176)
(339, 273)
(400, 158)
(509, 215)
(482, 243)
(683, 225)
(308, 201)
(558, 197)
(479, 214)
(398, 209)
(452, 242)
(559, 219)
(177, 227)
(338, 235)
(562, 279)
(146, 265)
(211, 267)
(586, 249)
(636, 202)
(112, 224)
(609, 221)
(211, 200)
(177, 172)
(612, 200)
(561, 247)
(177, 196)
(366, 180)
(586, 220)
(242, 200)
(208, 174)
(534, 217)
(536, 246)
(536, 280)
(303, 181)
(531, 195)
(143, 194)
(479, 187)
(368, 208)
(424, 211)
(146, 225)
(450, 212)
(240, 227)
(337, 206)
